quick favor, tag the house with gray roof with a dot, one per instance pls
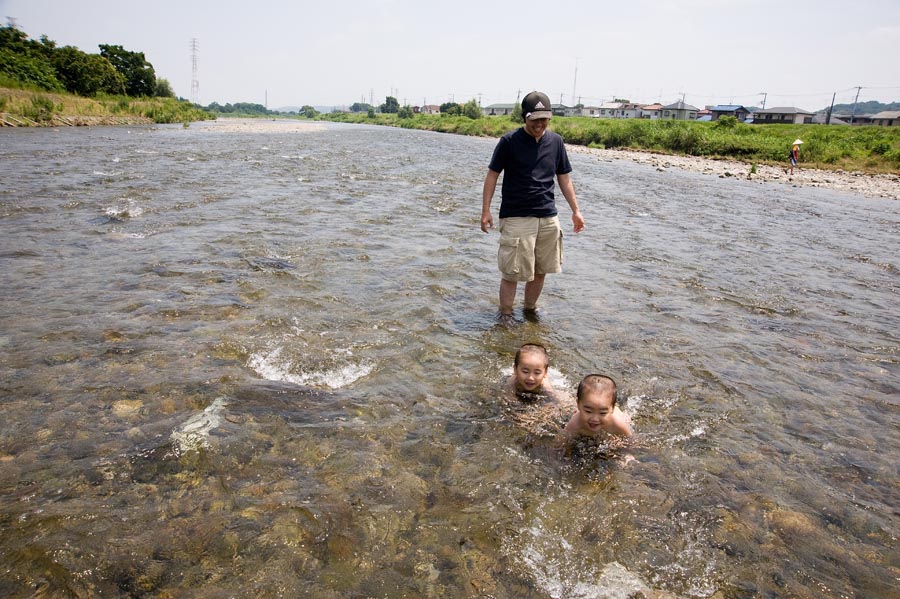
(790, 115)
(679, 111)
(887, 118)
(497, 109)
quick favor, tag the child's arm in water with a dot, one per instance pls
(621, 423)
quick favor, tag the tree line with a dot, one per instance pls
(470, 109)
(43, 65)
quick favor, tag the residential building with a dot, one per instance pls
(650, 111)
(887, 118)
(497, 109)
(856, 119)
(784, 115)
(592, 111)
(821, 118)
(679, 111)
(610, 110)
(430, 109)
(735, 110)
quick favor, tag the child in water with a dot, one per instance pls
(597, 415)
(529, 381)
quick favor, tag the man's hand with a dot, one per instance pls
(577, 220)
(490, 184)
(486, 221)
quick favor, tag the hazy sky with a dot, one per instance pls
(798, 52)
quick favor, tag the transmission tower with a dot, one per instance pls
(195, 81)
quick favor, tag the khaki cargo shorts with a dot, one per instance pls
(529, 245)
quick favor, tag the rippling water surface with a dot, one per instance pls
(267, 364)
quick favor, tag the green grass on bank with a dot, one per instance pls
(40, 106)
(868, 149)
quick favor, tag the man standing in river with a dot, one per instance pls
(530, 234)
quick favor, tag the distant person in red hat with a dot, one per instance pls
(530, 157)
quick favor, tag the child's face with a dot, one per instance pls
(595, 410)
(530, 371)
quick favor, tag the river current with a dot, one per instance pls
(266, 361)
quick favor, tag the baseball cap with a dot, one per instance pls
(536, 106)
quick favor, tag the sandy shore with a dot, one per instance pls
(881, 186)
(226, 125)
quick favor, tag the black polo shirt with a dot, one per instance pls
(530, 168)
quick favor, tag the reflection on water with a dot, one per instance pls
(268, 363)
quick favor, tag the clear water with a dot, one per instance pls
(268, 364)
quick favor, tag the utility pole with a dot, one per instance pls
(195, 81)
(764, 95)
(855, 100)
(830, 110)
(574, 80)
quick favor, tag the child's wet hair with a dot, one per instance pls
(599, 382)
(532, 347)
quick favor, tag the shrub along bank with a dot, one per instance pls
(868, 149)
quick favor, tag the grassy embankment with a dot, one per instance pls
(38, 108)
(866, 149)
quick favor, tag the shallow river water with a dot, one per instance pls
(266, 362)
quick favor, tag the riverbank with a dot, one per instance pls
(30, 108)
(867, 184)
(58, 120)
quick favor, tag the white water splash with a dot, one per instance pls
(194, 433)
(548, 559)
(272, 366)
(558, 380)
(130, 210)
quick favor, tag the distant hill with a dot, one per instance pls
(870, 107)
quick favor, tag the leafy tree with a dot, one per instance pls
(516, 114)
(451, 108)
(27, 61)
(472, 110)
(406, 112)
(309, 112)
(28, 70)
(360, 107)
(163, 89)
(86, 74)
(140, 78)
(371, 113)
(390, 106)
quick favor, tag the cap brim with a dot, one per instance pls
(539, 114)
